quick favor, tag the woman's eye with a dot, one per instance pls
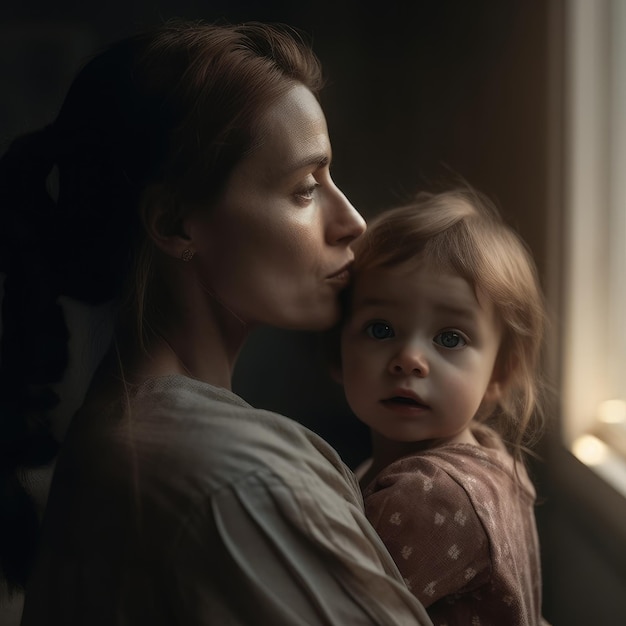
(307, 193)
(379, 330)
(450, 339)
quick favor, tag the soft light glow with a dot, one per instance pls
(590, 450)
(612, 412)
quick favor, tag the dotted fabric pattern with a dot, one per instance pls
(461, 528)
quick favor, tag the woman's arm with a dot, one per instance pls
(261, 553)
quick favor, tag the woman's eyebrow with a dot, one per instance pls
(320, 159)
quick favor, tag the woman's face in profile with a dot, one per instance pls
(274, 247)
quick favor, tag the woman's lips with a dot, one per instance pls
(341, 276)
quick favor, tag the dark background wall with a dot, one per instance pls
(417, 92)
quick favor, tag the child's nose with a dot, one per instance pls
(410, 360)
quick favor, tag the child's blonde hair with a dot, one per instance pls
(461, 231)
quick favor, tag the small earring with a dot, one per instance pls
(187, 255)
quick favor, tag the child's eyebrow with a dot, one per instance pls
(450, 307)
(458, 310)
(374, 301)
(444, 307)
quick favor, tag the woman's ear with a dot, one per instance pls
(336, 374)
(162, 218)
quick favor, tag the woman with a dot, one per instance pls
(194, 186)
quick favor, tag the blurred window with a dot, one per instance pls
(594, 323)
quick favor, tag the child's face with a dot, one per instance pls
(418, 353)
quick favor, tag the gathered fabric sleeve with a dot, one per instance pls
(431, 528)
(203, 512)
(253, 553)
(271, 558)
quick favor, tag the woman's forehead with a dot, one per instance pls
(292, 134)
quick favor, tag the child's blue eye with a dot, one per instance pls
(450, 339)
(379, 330)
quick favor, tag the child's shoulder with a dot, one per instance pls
(464, 467)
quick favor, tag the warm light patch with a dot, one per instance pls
(612, 412)
(590, 450)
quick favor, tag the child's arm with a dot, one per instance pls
(431, 528)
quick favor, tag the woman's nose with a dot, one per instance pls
(345, 223)
(410, 361)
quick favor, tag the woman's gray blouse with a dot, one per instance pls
(188, 506)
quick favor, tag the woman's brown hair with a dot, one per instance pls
(166, 113)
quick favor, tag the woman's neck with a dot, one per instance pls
(196, 355)
(198, 338)
(192, 332)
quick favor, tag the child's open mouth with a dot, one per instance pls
(404, 401)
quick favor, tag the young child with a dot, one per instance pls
(440, 358)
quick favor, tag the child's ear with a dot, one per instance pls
(493, 393)
(500, 377)
(163, 222)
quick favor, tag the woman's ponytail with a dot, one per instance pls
(33, 346)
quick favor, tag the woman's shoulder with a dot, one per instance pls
(182, 445)
(212, 435)
(213, 417)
